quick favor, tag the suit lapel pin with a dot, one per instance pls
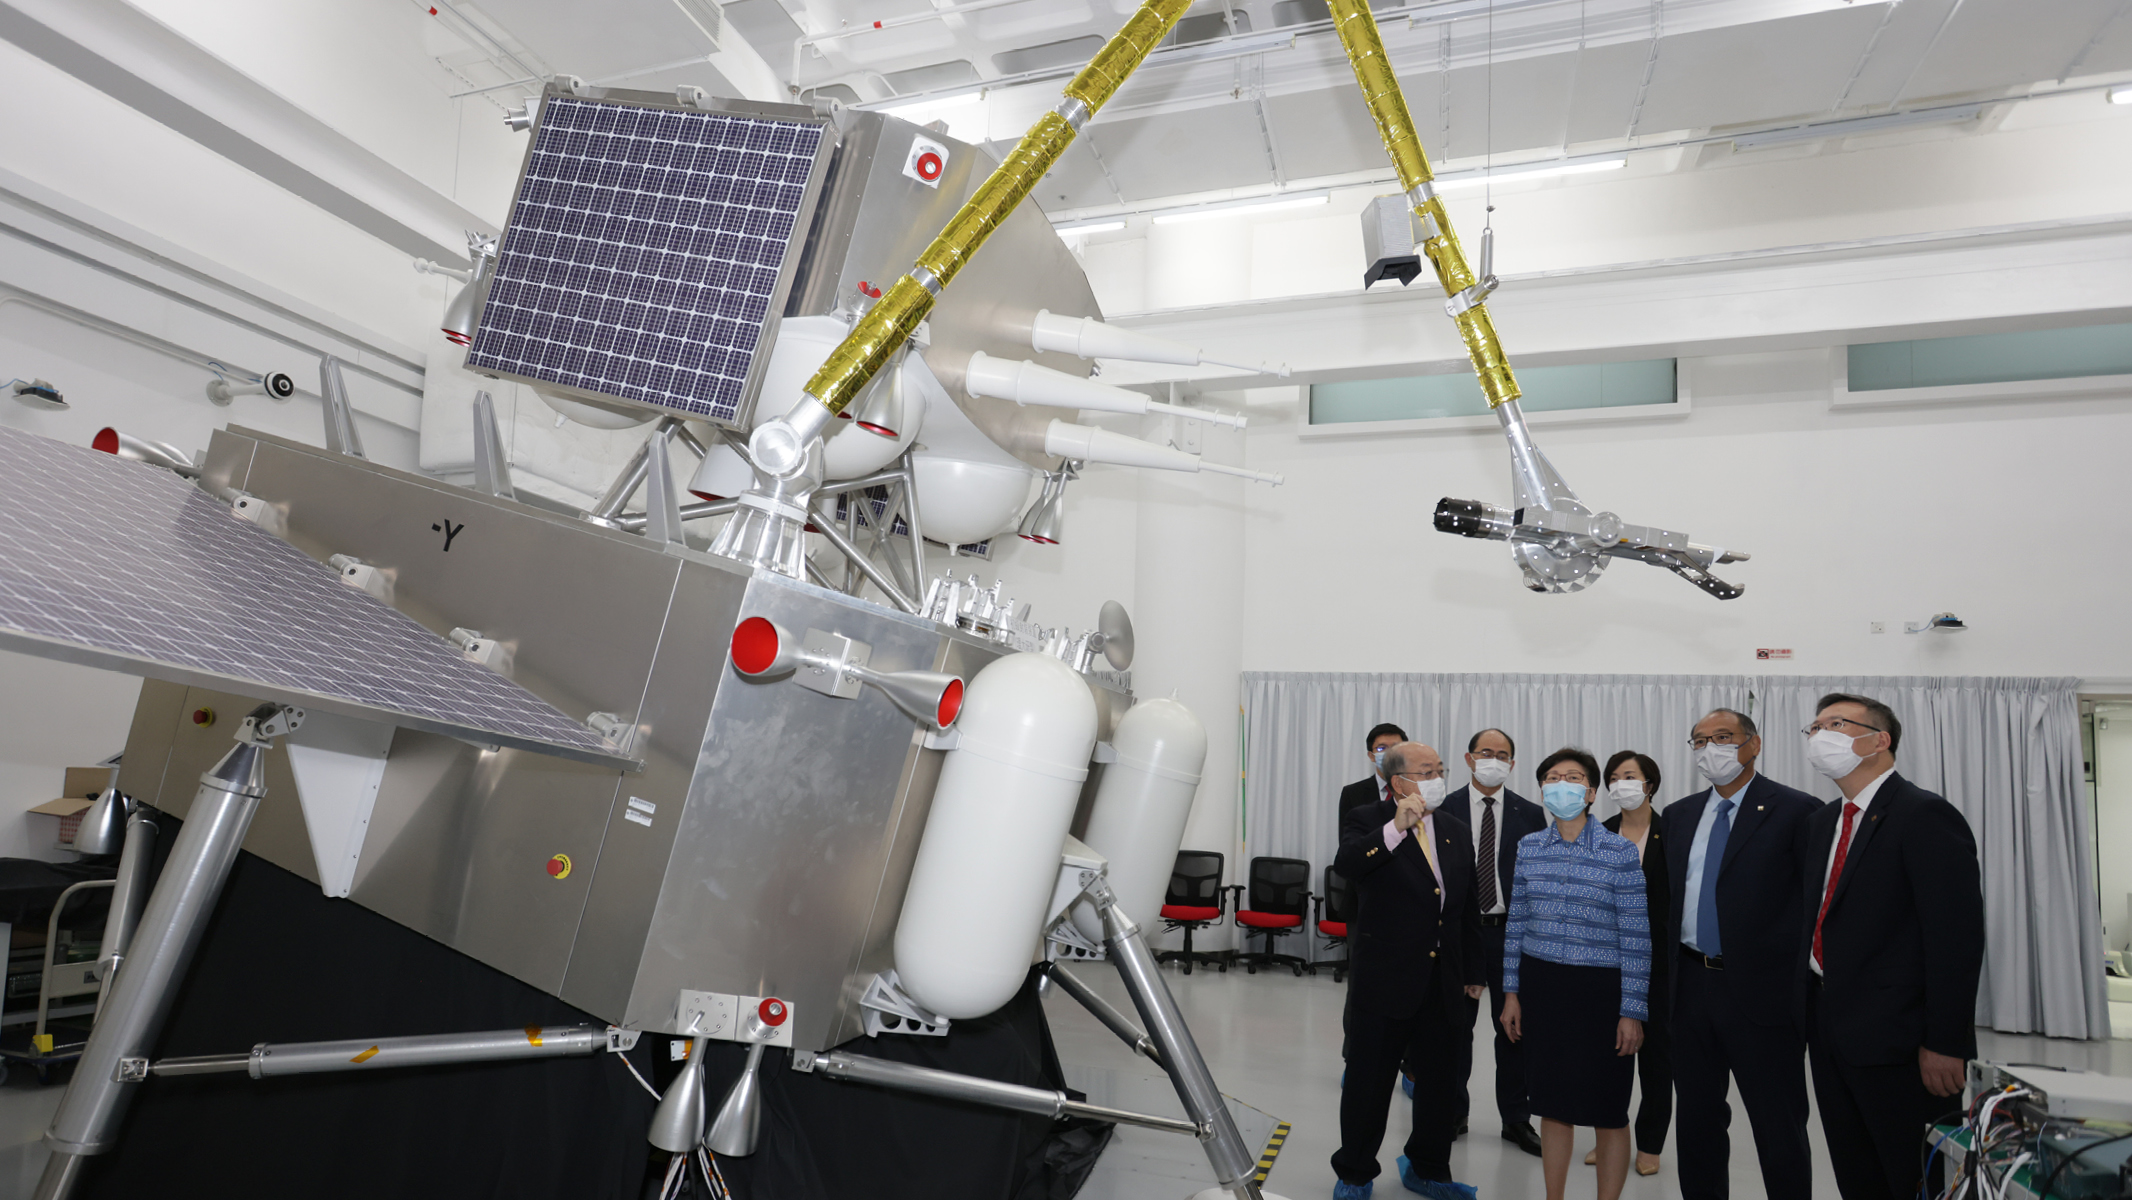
(1758, 808)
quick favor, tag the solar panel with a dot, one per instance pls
(121, 565)
(647, 250)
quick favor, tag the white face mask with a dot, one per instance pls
(1432, 793)
(1491, 772)
(1628, 793)
(1719, 764)
(1831, 754)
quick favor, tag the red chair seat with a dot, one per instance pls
(1336, 929)
(1185, 912)
(1259, 920)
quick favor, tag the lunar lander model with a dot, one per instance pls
(712, 793)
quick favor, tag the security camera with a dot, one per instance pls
(274, 383)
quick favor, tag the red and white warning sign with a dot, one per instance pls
(928, 159)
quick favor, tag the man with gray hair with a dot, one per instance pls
(1415, 960)
(1734, 854)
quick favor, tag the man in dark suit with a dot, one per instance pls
(1733, 859)
(1414, 949)
(1497, 817)
(1893, 943)
(1373, 789)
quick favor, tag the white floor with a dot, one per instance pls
(1273, 1042)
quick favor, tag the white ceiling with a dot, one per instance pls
(1265, 99)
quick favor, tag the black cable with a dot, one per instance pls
(2063, 1162)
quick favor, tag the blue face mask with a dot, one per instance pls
(1564, 801)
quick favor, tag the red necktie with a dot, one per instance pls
(1389, 794)
(1835, 872)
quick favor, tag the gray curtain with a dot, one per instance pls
(2006, 751)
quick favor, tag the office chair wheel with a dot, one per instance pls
(1339, 977)
(1188, 966)
(1224, 967)
(1251, 968)
(1298, 970)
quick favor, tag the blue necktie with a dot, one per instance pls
(1706, 931)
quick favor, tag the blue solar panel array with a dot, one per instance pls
(645, 248)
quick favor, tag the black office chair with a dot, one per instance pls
(1194, 901)
(1336, 907)
(1279, 900)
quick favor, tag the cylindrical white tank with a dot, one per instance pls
(989, 861)
(1141, 806)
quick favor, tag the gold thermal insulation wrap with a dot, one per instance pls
(1388, 108)
(895, 317)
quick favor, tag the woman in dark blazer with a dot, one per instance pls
(1632, 782)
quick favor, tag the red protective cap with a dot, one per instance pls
(950, 703)
(754, 645)
(772, 1011)
(881, 430)
(105, 440)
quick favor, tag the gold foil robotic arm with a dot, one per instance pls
(1559, 544)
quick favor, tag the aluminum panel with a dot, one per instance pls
(777, 864)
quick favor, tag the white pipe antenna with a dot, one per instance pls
(1086, 443)
(1033, 383)
(1087, 337)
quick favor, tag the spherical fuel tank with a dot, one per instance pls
(1140, 809)
(989, 860)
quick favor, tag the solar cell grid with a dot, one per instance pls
(644, 250)
(129, 567)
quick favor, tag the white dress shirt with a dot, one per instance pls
(1863, 801)
(1485, 857)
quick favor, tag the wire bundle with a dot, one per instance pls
(2000, 1145)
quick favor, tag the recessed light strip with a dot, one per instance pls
(1207, 212)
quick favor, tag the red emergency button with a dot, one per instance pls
(559, 867)
(203, 716)
(772, 1011)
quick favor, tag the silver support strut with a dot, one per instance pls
(115, 1060)
(1235, 1167)
(1111, 1018)
(860, 1068)
(128, 898)
(269, 1059)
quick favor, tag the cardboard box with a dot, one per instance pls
(83, 785)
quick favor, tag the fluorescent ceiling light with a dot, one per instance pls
(1090, 227)
(1209, 211)
(1513, 175)
(2121, 95)
(1858, 125)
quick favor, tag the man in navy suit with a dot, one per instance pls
(1415, 950)
(1892, 945)
(1734, 856)
(1496, 817)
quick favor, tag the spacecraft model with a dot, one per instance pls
(701, 789)
(1558, 542)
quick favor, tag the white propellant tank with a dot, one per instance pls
(989, 861)
(1140, 809)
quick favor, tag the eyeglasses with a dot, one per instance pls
(1726, 738)
(1832, 722)
(1497, 755)
(1438, 773)
(1579, 780)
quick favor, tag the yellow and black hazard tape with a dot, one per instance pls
(1273, 1151)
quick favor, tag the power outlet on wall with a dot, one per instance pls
(1879, 627)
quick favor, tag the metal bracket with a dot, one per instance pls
(620, 1039)
(1471, 297)
(131, 1070)
(889, 1009)
(834, 655)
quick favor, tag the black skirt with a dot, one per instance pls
(1570, 1015)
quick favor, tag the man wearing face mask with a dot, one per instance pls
(1374, 787)
(1894, 942)
(1735, 866)
(1414, 950)
(1498, 817)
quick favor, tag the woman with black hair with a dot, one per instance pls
(1632, 783)
(1576, 973)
